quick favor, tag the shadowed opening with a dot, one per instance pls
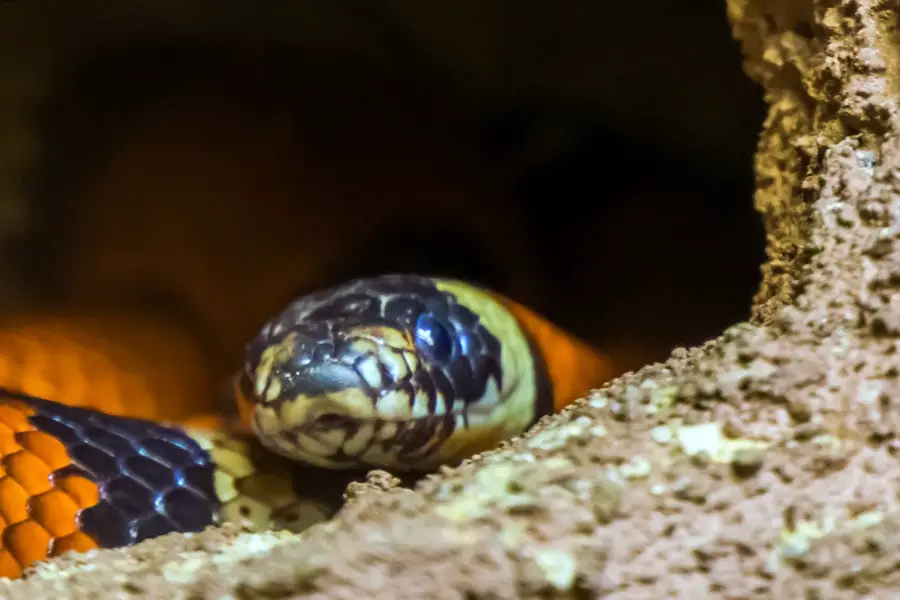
(634, 248)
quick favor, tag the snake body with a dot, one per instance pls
(403, 372)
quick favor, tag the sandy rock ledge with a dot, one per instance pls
(762, 464)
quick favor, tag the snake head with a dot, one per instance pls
(399, 371)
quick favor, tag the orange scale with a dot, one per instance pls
(27, 541)
(22, 407)
(8, 443)
(46, 447)
(106, 395)
(13, 501)
(82, 490)
(37, 384)
(76, 385)
(55, 511)
(9, 566)
(12, 415)
(29, 471)
(77, 541)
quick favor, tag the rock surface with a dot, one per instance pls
(762, 464)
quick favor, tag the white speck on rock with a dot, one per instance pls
(559, 567)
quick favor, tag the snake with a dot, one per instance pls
(401, 372)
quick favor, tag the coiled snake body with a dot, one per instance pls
(400, 372)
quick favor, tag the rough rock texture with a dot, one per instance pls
(762, 464)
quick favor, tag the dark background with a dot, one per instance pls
(623, 134)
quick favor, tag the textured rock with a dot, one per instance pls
(761, 464)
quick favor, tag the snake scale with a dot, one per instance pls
(402, 372)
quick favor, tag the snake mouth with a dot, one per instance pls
(345, 404)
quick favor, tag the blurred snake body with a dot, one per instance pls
(401, 372)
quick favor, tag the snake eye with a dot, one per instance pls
(433, 338)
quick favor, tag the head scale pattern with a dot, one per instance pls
(377, 371)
